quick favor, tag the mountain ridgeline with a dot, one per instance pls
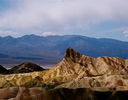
(50, 49)
(26, 67)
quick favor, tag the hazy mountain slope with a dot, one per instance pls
(50, 49)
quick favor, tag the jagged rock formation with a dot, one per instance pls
(76, 71)
(105, 72)
(25, 68)
(97, 66)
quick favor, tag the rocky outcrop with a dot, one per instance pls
(36, 93)
(97, 66)
(105, 72)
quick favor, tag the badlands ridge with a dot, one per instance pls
(83, 77)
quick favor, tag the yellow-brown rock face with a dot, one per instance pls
(76, 71)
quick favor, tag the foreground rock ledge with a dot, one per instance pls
(36, 93)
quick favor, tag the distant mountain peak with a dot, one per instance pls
(28, 63)
(26, 67)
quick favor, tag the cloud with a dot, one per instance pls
(49, 33)
(125, 33)
(4, 33)
(62, 15)
(123, 30)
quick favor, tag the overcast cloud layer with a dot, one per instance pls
(56, 16)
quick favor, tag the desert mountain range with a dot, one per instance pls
(75, 72)
(50, 49)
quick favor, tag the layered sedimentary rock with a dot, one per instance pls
(75, 71)
(76, 77)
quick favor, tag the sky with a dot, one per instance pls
(93, 18)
